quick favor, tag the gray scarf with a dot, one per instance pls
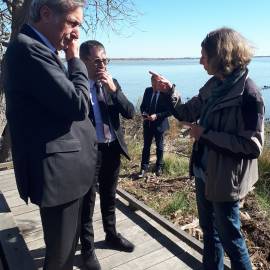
(218, 92)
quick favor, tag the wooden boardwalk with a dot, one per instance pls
(156, 248)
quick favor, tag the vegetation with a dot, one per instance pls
(179, 203)
(263, 185)
(175, 165)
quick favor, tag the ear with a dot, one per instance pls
(45, 14)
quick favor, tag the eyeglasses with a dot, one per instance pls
(98, 61)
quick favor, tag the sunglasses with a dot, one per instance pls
(98, 61)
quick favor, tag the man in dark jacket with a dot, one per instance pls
(53, 141)
(108, 103)
(155, 112)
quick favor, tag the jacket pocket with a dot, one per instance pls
(62, 146)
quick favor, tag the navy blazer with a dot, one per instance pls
(162, 110)
(54, 145)
(117, 105)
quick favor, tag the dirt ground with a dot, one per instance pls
(255, 224)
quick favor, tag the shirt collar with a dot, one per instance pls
(44, 39)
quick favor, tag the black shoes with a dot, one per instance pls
(90, 261)
(158, 172)
(119, 242)
(141, 174)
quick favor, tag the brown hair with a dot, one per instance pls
(227, 50)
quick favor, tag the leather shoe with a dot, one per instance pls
(90, 261)
(141, 174)
(158, 172)
(119, 242)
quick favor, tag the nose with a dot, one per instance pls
(76, 32)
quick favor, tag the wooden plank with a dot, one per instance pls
(7, 183)
(119, 258)
(6, 165)
(10, 171)
(13, 246)
(146, 260)
(22, 209)
(174, 263)
(8, 188)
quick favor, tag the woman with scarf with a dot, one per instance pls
(226, 120)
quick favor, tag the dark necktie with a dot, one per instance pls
(104, 112)
(152, 108)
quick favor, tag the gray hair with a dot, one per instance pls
(58, 6)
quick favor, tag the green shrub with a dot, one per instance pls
(175, 165)
(180, 201)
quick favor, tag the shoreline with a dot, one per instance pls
(165, 58)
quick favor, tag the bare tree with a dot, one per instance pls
(108, 15)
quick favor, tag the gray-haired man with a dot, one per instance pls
(53, 141)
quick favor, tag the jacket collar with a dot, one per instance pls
(29, 31)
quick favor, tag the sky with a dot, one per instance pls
(175, 28)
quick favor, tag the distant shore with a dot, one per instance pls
(163, 58)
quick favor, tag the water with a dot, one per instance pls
(187, 74)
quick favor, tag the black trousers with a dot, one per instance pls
(61, 227)
(149, 133)
(107, 172)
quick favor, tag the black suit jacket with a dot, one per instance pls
(162, 110)
(53, 142)
(117, 105)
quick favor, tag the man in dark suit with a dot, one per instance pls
(108, 103)
(53, 141)
(155, 114)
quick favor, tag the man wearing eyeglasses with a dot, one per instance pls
(108, 103)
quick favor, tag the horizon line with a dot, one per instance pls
(167, 58)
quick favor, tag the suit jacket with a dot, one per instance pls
(53, 142)
(162, 110)
(117, 105)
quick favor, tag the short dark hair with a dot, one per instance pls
(85, 48)
(227, 50)
(59, 6)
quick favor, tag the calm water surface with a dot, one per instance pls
(187, 74)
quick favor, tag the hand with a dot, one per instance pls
(152, 117)
(145, 116)
(106, 79)
(160, 83)
(195, 130)
(71, 46)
